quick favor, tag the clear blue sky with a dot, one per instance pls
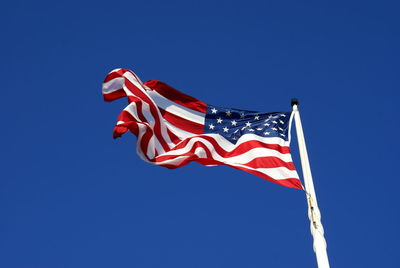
(71, 196)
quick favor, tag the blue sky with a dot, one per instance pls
(71, 196)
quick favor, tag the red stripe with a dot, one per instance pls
(120, 129)
(120, 93)
(182, 123)
(114, 74)
(289, 182)
(129, 124)
(269, 162)
(177, 96)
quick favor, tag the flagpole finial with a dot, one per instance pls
(295, 102)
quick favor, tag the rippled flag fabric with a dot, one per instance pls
(173, 129)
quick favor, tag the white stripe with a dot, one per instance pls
(176, 109)
(175, 162)
(113, 85)
(258, 152)
(142, 130)
(151, 147)
(134, 80)
(115, 70)
(278, 173)
(248, 137)
(146, 113)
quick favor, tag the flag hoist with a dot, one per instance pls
(314, 214)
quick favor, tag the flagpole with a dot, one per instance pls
(314, 214)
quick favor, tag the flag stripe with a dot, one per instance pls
(113, 85)
(182, 123)
(176, 109)
(114, 74)
(114, 95)
(176, 96)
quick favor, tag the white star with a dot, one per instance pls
(274, 128)
(266, 133)
(252, 130)
(214, 111)
(211, 126)
(257, 117)
(219, 120)
(259, 129)
(274, 122)
(234, 123)
(281, 129)
(248, 124)
(225, 129)
(283, 135)
(280, 121)
(228, 113)
(242, 115)
(266, 124)
(284, 115)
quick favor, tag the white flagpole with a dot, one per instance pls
(314, 214)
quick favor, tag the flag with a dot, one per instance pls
(174, 129)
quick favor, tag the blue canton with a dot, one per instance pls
(233, 123)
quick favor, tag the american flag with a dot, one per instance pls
(174, 129)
